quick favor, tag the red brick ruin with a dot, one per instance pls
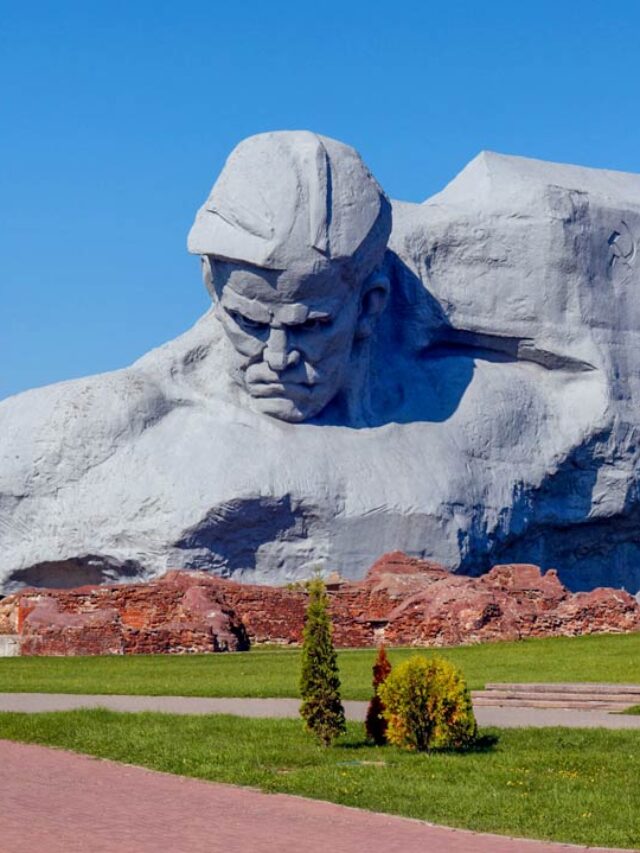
(403, 601)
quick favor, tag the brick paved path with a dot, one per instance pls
(57, 802)
(502, 717)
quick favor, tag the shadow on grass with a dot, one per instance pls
(360, 744)
(483, 743)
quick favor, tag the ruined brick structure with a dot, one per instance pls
(403, 601)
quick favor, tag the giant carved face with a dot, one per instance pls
(293, 332)
(292, 238)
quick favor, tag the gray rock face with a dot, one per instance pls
(464, 389)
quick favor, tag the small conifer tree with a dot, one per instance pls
(428, 705)
(321, 707)
(375, 724)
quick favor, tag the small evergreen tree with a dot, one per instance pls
(321, 707)
(375, 724)
(428, 706)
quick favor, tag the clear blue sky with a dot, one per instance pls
(117, 116)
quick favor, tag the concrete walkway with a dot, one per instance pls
(58, 802)
(502, 717)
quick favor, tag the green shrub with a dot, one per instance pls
(375, 723)
(321, 707)
(427, 705)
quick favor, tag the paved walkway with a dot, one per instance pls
(502, 717)
(57, 802)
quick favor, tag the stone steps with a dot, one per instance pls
(583, 697)
(567, 705)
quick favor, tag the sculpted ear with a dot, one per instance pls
(373, 301)
(207, 275)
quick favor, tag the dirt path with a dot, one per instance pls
(57, 802)
(502, 717)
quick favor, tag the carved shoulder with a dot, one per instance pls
(53, 435)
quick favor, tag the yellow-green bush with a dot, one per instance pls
(427, 705)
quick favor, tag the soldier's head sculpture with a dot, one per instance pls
(292, 239)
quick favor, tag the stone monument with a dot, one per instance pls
(458, 379)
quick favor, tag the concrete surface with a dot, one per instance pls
(502, 717)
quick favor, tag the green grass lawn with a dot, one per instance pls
(571, 785)
(274, 672)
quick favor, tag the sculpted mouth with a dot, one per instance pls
(280, 389)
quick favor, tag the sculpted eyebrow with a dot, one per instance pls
(319, 315)
(293, 322)
(258, 316)
(252, 310)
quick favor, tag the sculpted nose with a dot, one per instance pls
(277, 353)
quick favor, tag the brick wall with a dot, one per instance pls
(402, 601)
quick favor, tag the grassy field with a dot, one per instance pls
(567, 785)
(274, 672)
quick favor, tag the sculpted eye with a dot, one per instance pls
(315, 323)
(247, 322)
